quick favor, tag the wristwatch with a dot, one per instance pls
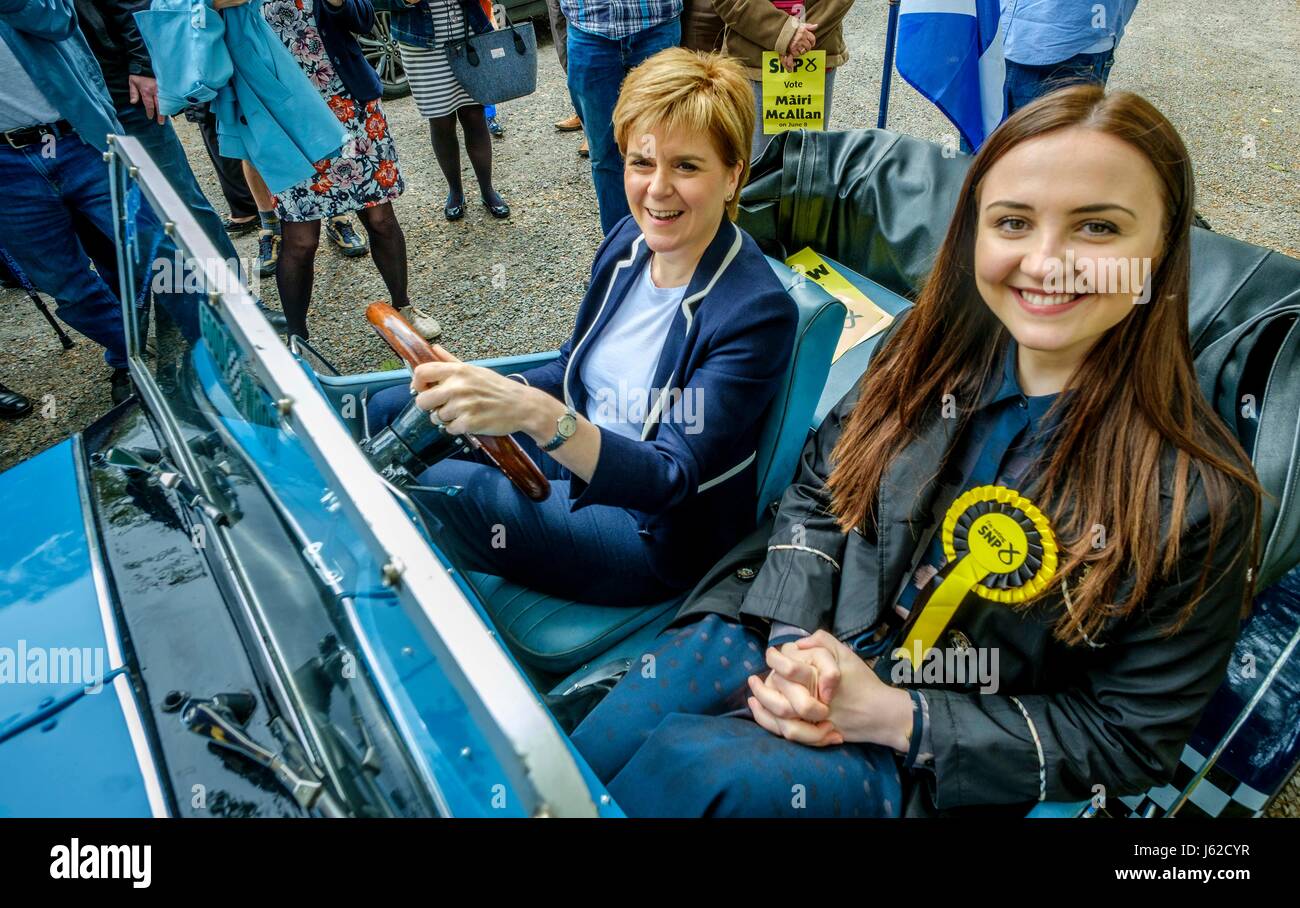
(565, 425)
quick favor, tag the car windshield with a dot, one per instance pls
(336, 580)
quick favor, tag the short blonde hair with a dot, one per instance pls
(694, 92)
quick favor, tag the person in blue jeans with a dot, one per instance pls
(52, 140)
(606, 39)
(115, 42)
(110, 31)
(1052, 43)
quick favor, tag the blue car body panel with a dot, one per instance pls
(66, 747)
(79, 763)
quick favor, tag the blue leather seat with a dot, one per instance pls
(558, 635)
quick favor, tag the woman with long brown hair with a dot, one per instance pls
(1014, 559)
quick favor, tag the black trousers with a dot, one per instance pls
(230, 172)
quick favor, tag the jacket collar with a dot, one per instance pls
(718, 256)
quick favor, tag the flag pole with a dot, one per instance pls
(891, 36)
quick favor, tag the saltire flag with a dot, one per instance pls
(951, 52)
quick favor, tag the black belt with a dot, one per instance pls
(31, 135)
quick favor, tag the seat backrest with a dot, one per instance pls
(846, 371)
(785, 427)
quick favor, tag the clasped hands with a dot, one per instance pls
(821, 693)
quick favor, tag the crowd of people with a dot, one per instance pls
(778, 668)
(56, 236)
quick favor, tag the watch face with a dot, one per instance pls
(567, 424)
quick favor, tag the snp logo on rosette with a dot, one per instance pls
(75, 861)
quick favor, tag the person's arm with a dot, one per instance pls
(1124, 724)
(759, 21)
(53, 20)
(356, 16)
(119, 19)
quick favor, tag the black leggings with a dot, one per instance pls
(296, 269)
(478, 144)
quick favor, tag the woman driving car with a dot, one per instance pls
(647, 423)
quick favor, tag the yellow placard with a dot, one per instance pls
(794, 99)
(864, 318)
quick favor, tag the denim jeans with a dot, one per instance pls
(37, 231)
(160, 141)
(1024, 84)
(597, 66)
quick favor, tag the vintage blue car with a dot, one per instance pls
(217, 600)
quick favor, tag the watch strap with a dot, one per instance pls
(559, 438)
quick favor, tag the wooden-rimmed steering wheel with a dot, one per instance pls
(503, 451)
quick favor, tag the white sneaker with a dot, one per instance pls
(424, 324)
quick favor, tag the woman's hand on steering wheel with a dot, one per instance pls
(468, 399)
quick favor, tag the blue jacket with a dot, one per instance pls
(338, 27)
(691, 481)
(267, 110)
(44, 38)
(413, 23)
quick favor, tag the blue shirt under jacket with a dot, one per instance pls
(1043, 32)
(691, 478)
(44, 38)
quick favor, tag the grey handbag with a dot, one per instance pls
(498, 65)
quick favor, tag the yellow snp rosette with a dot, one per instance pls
(996, 543)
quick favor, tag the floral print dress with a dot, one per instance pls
(364, 172)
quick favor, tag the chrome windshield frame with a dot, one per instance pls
(524, 739)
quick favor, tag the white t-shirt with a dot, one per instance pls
(618, 371)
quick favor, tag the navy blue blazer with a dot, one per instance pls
(338, 29)
(692, 479)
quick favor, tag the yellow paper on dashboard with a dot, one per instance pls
(794, 99)
(863, 319)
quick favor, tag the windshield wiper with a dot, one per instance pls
(221, 719)
(167, 476)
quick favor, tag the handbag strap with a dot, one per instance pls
(520, 47)
(471, 52)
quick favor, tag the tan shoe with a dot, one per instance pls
(584, 150)
(569, 124)
(424, 324)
